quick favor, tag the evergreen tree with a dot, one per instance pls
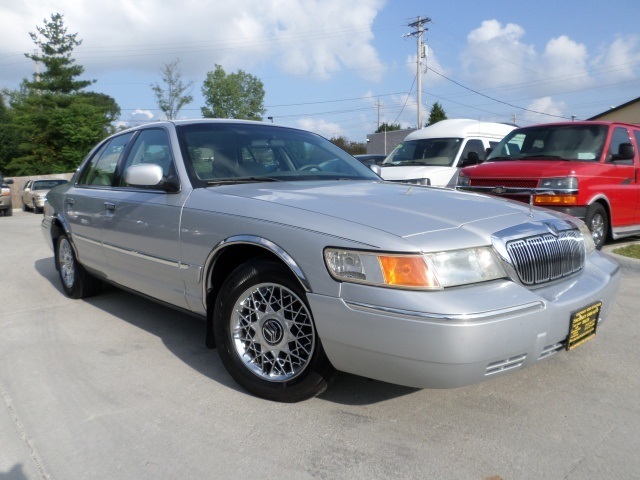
(437, 113)
(56, 46)
(53, 123)
(386, 127)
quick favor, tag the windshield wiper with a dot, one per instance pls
(542, 157)
(231, 181)
(401, 164)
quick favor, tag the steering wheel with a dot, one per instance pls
(312, 167)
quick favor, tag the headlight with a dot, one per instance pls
(561, 183)
(563, 191)
(432, 271)
(463, 181)
(418, 181)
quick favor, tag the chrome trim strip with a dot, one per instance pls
(456, 317)
(86, 240)
(620, 232)
(501, 190)
(144, 256)
(133, 253)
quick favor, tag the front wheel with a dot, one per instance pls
(598, 223)
(266, 335)
(76, 281)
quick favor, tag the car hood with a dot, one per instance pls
(398, 209)
(412, 171)
(521, 169)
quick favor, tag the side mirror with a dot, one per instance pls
(472, 159)
(377, 169)
(625, 152)
(150, 175)
(8, 181)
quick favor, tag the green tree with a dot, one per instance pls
(354, 148)
(236, 95)
(53, 123)
(177, 93)
(437, 113)
(8, 138)
(60, 71)
(386, 127)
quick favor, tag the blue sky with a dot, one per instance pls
(337, 68)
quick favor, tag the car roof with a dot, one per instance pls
(460, 128)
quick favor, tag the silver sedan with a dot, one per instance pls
(304, 262)
(34, 193)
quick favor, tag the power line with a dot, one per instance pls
(495, 99)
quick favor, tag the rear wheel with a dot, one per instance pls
(76, 281)
(266, 335)
(598, 222)
(8, 212)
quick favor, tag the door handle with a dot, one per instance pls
(110, 206)
(69, 201)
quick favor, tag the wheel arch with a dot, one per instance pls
(604, 202)
(59, 226)
(233, 252)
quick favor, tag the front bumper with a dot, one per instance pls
(459, 336)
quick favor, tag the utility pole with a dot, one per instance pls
(421, 53)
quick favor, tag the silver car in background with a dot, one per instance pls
(35, 192)
(304, 262)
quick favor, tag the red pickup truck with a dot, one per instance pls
(586, 169)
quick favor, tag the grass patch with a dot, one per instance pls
(632, 251)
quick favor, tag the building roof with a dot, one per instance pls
(633, 105)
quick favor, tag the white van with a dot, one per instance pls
(434, 154)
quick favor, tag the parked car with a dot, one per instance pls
(6, 205)
(434, 154)
(586, 169)
(303, 262)
(370, 158)
(34, 193)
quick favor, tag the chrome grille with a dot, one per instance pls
(544, 258)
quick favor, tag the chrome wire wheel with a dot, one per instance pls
(66, 263)
(272, 332)
(597, 228)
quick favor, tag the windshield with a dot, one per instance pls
(428, 151)
(567, 142)
(227, 153)
(46, 184)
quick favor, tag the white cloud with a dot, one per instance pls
(496, 58)
(494, 55)
(321, 127)
(545, 105)
(565, 61)
(618, 60)
(142, 115)
(302, 36)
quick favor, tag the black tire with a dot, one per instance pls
(8, 212)
(76, 281)
(35, 209)
(24, 207)
(293, 366)
(598, 222)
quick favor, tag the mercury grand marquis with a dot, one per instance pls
(305, 263)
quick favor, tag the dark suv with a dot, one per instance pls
(6, 206)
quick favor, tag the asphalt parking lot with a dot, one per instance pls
(117, 387)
